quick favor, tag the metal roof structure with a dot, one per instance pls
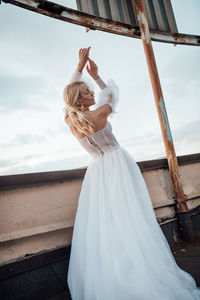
(66, 14)
(160, 14)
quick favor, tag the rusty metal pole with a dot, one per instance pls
(184, 219)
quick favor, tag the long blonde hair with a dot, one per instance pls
(72, 95)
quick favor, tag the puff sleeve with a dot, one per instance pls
(109, 94)
(76, 76)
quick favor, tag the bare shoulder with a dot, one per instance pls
(103, 111)
(100, 116)
(99, 120)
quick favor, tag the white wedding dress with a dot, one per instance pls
(118, 249)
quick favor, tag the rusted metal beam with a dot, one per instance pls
(187, 233)
(66, 14)
(175, 38)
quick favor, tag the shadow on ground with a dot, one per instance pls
(49, 282)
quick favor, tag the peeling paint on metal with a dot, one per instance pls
(168, 38)
(170, 151)
(144, 27)
(69, 16)
(178, 39)
(74, 16)
(170, 157)
(30, 3)
(165, 119)
(125, 30)
(146, 30)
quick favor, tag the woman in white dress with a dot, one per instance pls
(118, 249)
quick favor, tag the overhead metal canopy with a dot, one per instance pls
(159, 13)
(66, 14)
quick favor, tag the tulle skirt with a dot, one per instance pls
(118, 250)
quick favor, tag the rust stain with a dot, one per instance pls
(165, 119)
(66, 14)
(162, 113)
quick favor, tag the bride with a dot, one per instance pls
(118, 249)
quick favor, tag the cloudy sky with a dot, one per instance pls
(38, 55)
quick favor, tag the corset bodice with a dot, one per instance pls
(100, 142)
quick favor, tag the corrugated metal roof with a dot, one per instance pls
(159, 12)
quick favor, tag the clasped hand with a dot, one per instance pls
(91, 68)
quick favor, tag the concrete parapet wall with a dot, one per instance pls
(38, 209)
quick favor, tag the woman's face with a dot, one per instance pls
(87, 98)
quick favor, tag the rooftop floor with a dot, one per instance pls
(49, 282)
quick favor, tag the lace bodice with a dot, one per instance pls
(102, 141)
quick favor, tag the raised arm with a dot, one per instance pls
(93, 71)
(76, 75)
(101, 83)
(83, 57)
(108, 94)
